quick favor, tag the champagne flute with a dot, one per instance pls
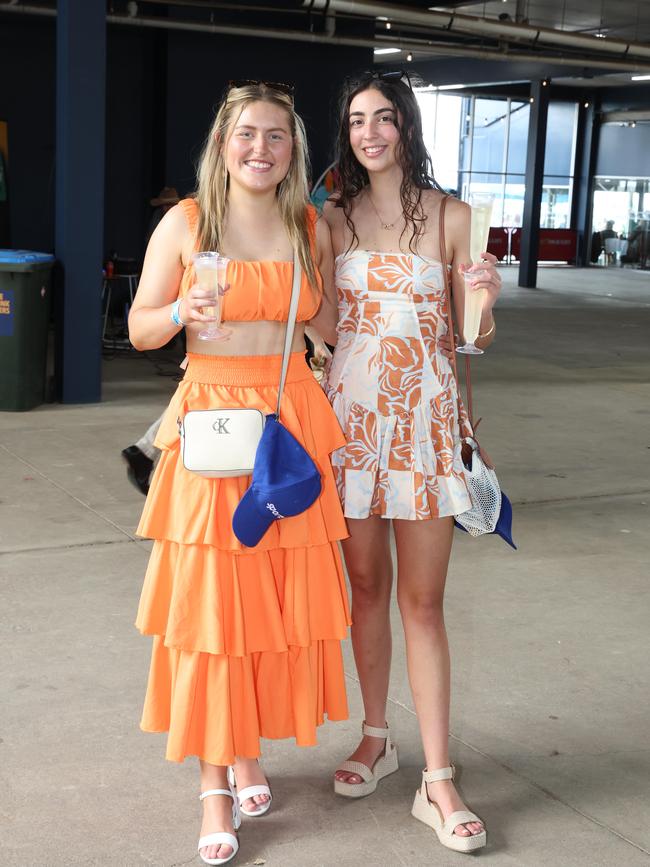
(474, 298)
(210, 270)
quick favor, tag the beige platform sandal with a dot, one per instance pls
(386, 764)
(428, 812)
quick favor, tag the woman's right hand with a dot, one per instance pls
(193, 304)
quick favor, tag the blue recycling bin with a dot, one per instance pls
(25, 303)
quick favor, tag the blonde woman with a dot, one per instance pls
(246, 640)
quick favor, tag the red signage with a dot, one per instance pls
(555, 245)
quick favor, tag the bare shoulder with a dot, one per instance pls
(323, 234)
(174, 225)
(457, 220)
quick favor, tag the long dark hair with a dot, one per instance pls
(417, 169)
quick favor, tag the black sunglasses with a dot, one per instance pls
(281, 87)
(390, 75)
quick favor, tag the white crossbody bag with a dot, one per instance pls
(221, 443)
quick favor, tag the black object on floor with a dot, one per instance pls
(138, 468)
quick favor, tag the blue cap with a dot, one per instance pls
(285, 482)
(504, 523)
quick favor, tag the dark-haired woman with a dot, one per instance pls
(392, 387)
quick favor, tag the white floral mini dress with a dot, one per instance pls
(394, 392)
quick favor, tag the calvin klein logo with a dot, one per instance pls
(273, 510)
(220, 426)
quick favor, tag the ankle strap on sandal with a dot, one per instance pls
(438, 775)
(209, 792)
(374, 732)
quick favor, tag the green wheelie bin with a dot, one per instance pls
(25, 301)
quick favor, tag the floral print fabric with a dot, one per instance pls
(393, 391)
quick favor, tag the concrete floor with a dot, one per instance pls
(550, 644)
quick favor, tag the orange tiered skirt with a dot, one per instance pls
(246, 640)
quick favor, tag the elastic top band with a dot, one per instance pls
(244, 370)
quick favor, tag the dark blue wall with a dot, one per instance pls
(27, 103)
(157, 114)
(624, 151)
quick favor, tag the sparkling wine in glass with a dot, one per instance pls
(210, 270)
(474, 298)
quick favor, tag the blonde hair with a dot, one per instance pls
(292, 192)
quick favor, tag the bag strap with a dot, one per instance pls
(446, 277)
(291, 323)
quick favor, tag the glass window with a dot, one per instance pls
(555, 211)
(513, 201)
(441, 119)
(622, 202)
(472, 141)
(490, 122)
(519, 117)
(560, 134)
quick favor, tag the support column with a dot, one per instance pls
(534, 181)
(79, 231)
(583, 172)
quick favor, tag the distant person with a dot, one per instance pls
(141, 458)
(166, 199)
(605, 234)
(634, 245)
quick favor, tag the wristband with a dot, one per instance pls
(176, 315)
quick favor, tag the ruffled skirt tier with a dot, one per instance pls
(407, 465)
(246, 640)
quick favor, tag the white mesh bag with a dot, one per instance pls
(485, 492)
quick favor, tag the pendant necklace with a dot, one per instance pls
(386, 226)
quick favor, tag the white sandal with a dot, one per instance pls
(386, 764)
(250, 792)
(220, 837)
(429, 812)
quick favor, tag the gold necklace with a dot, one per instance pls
(387, 226)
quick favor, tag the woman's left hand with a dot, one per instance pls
(447, 346)
(490, 279)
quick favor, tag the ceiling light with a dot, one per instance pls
(600, 35)
(409, 57)
(387, 50)
(641, 78)
(586, 105)
(531, 100)
(382, 18)
(451, 87)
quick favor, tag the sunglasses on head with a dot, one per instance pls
(286, 89)
(389, 76)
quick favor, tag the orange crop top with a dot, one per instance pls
(258, 290)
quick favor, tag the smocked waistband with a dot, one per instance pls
(244, 370)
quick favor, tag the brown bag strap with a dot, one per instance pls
(446, 276)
